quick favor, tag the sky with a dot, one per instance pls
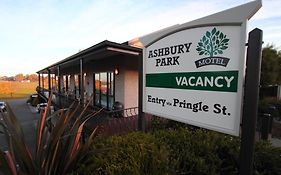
(37, 33)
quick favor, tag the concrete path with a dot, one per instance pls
(28, 117)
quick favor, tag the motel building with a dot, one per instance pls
(106, 74)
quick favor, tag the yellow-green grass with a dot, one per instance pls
(13, 89)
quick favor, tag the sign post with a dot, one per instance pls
(140, 109)
(250, 101)
(194, 72)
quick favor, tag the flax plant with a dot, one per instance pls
(57, 149)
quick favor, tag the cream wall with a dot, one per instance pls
(131, 89)
(119, 87)
(126, 88)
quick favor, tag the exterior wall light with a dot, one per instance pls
(116, 71)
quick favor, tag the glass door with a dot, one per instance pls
(104, 89)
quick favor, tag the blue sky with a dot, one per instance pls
(35, 34)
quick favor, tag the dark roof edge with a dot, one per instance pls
(93, 48)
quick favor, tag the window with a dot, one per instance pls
(53, 82)
(56, 83)
(104, 89)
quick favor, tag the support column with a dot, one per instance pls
(141, 124)
(66, 83)
(49, 79)
(251, 97)
(43, 88)
(59, 80)
(81, 81)
(43, 81)
(39, 80)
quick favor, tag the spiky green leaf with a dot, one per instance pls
(221, 36)
(201, 53)
(225, 40)
(224, 47)
(214, 31)
(217, 33)
(204, 39)
(206, 42)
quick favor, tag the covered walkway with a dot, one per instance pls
(106, 72)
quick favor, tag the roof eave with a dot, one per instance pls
(98, 46)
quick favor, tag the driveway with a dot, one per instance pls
(27, 117)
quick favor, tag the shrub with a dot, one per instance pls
(176, 151)
(199, 151)
(267, 159)
(57, 150)
(166, 151)
(136, 153)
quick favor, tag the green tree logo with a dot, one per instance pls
(212, 43)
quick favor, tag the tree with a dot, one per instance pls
(33, 77)
(19, 77)
(271, 66)
(279, 64)
(26, 77)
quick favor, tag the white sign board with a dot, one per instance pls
(195, 76)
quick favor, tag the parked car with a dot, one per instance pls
(33, 95)
(3, 106)
(42, 106)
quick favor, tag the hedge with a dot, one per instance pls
(136, 153)
(175, 151)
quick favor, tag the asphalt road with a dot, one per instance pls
(28, 117)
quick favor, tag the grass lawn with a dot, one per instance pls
(12, 89)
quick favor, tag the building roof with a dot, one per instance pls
(106, 46)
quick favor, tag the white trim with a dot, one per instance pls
(122, 50)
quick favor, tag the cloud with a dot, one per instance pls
(52, 30)
(270, 9)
